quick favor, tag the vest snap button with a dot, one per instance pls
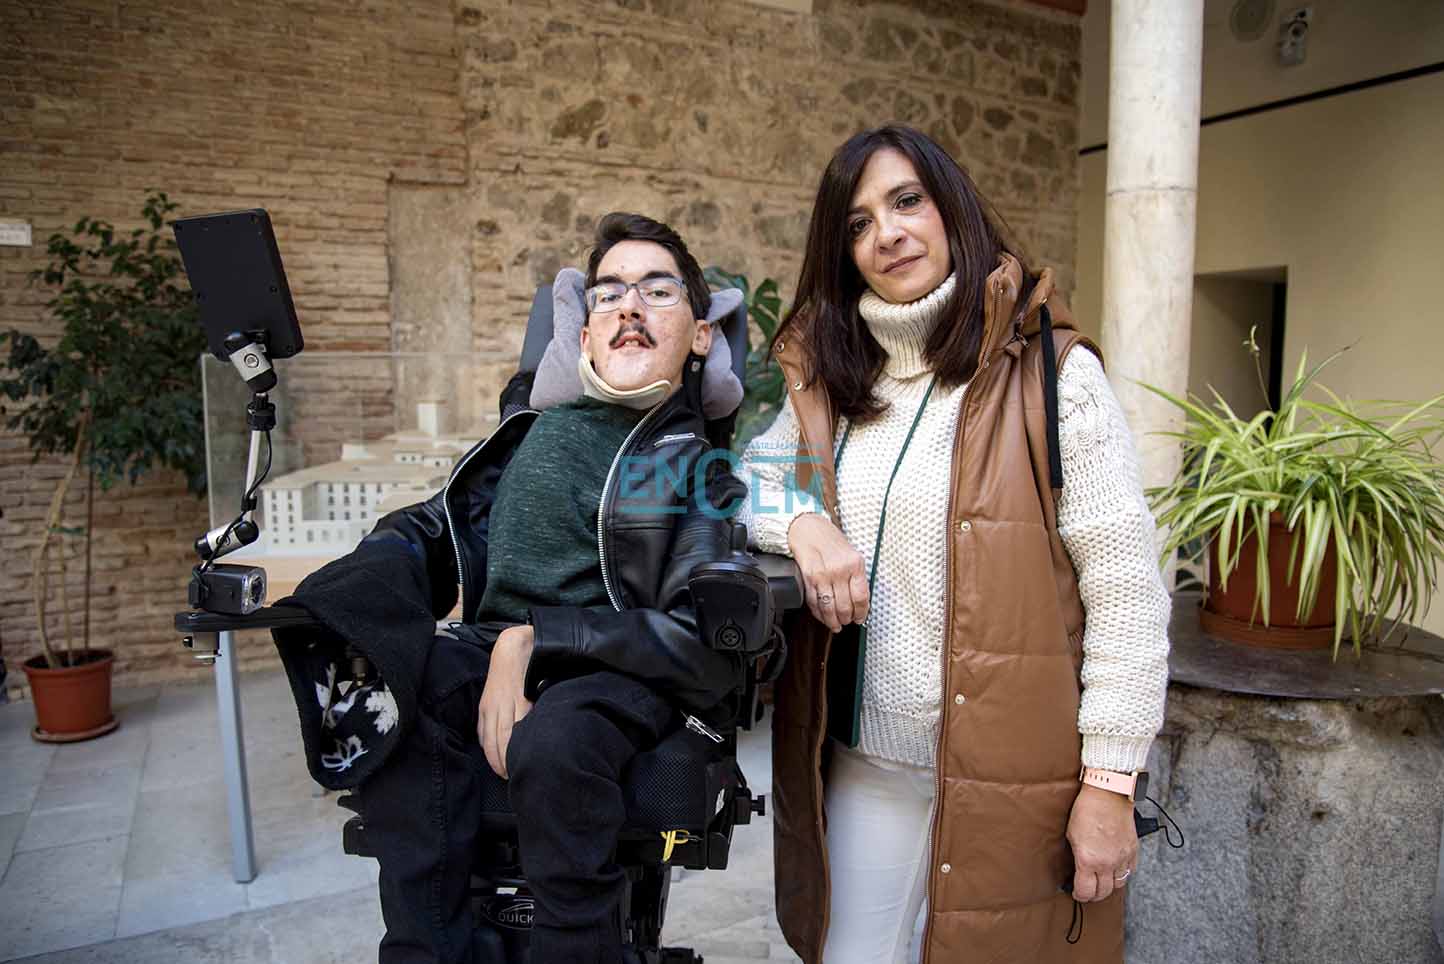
(965, 526)
(960, 699)
(946, 868)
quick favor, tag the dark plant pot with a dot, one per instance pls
(72, 703)
(1229, 613)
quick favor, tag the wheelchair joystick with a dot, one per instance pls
(738, 538)
(734, 606)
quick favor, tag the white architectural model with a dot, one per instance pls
(325, 510)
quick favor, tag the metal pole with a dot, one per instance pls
(233, 753)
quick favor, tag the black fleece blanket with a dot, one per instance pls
(375, 600)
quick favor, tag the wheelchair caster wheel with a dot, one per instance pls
(677, 955)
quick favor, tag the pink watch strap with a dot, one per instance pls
(1111, 780)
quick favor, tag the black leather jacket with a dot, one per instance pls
(666, 506)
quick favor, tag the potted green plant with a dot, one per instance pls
(762, 381)
(1321, 519)
(118, 393)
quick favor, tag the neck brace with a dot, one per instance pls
(594, 386)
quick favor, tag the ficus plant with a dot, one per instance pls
(118, 392)
(1362, 475)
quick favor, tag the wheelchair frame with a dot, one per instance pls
(647, 856)
(738, 600)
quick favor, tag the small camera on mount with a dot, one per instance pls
(232, 590)
(245, 306)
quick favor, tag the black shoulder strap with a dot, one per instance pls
(1050, 399)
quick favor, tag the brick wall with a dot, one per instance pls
(306, 109)
(537, 116)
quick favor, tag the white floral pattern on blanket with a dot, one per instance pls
(351, 732)
(383, 705)
(347, 752)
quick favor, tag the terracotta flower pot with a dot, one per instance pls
(72, 703)
(1229, 613)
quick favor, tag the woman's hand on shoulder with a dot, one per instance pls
(832, 571)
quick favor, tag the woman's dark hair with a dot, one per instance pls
(621, 226)
(844, 355)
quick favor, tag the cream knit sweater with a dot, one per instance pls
(1103, 521)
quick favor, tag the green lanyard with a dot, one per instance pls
(882, 517)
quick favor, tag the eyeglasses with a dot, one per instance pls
(660, 292)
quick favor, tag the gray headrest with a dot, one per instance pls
(556, 374)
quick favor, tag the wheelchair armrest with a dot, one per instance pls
(739, 596)
(269, 617)
(784, 580)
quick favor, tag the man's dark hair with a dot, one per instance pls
(622, 226)
(844, 355)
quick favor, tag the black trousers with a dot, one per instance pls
(565, 764)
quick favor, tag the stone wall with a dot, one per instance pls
(1312, 832)
(719, 117)
(381, 137)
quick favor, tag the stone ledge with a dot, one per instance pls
(1313, 831)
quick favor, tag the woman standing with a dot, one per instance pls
(976, 749)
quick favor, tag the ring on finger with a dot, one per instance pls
(1123, 877)
(825, 598)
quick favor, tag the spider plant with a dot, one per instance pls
(1360, 474)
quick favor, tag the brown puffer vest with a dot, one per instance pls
(1009, 757)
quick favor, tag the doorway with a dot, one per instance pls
(1227, 307)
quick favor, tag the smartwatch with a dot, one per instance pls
(1132, 785)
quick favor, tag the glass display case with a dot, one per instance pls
(357, 435)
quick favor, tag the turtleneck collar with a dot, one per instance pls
(903, 329)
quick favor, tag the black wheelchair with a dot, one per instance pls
(684, 796)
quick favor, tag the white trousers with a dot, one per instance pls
(879, 815)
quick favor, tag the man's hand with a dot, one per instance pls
(503, 700)
(1104, 841)
(832, 571)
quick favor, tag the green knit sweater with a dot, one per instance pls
(543, 527)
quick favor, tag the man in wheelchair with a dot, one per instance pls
(572, 533)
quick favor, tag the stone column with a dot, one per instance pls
(1155, 73)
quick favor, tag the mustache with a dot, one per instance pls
(632, 328)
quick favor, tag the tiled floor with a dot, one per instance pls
(128, 833)
(117, 850)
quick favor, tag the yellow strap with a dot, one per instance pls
(671, 838)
